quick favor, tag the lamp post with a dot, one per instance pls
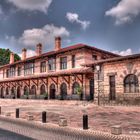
(98, 73)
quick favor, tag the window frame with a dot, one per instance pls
(43, 66)
(131, 84)
(63, 63)
(73, 61)
(52, 64)
(29, 68)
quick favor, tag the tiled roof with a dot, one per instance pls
(121, 58)
(62, 50)
(51, 74)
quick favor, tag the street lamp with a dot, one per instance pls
(98, 73)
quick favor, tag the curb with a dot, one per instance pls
(88, 134)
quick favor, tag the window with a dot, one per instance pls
(63, 63)
(28, 68)
(94, 57)
(131, 84)
(10, 72)
(73, 61)
(19, 71)
(43, 67)
(51, 64)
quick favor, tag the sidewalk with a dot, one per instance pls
(39, 131)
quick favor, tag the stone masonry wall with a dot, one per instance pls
(120, 69)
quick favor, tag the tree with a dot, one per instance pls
(5, 56)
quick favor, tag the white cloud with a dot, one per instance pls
(124, 53)
(74, 17)
(125, 11)
(31, 37)
(32, 5)
(43, 35)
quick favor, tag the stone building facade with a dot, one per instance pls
(117, 79)
(58, 74)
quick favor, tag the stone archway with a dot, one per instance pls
(42, 90)
(13, 92)
(2, 92)
(63, 91)
(7, 91)
(74, 88)
(18, 92)
(52, 91)
(26, 90)
(33, 90)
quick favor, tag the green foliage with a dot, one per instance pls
(79, 90)
(26, 94)
(5, 56)
(45, 95)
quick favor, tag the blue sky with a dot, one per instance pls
(112, 25)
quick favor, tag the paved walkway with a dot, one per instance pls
(101, 118)
(39, 131)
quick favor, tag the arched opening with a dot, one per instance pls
(52, 91)
(131, 84)
(63, 91)
(75, 87)
(7, 91)
(18, 93)
(2, 92)
(26, 90)
(33, 90)
(13, 92)
(42, 90)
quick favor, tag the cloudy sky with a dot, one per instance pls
(112, 25)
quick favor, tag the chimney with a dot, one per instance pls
(23, 54)
(57, 43)
(12, 58)
(39, 49)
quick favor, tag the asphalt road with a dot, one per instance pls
(7, 135)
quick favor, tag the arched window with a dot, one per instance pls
(74, 87)
(33, 90)
(42, 89)
(7, 91)
(131, 84)
(26, 90)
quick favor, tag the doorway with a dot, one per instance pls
(112, 87)
(91, 83)
(52, 91)
(63, 91)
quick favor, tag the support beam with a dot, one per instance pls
(54, 80)
(80, 79)
(44, 81)
(66, 80)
